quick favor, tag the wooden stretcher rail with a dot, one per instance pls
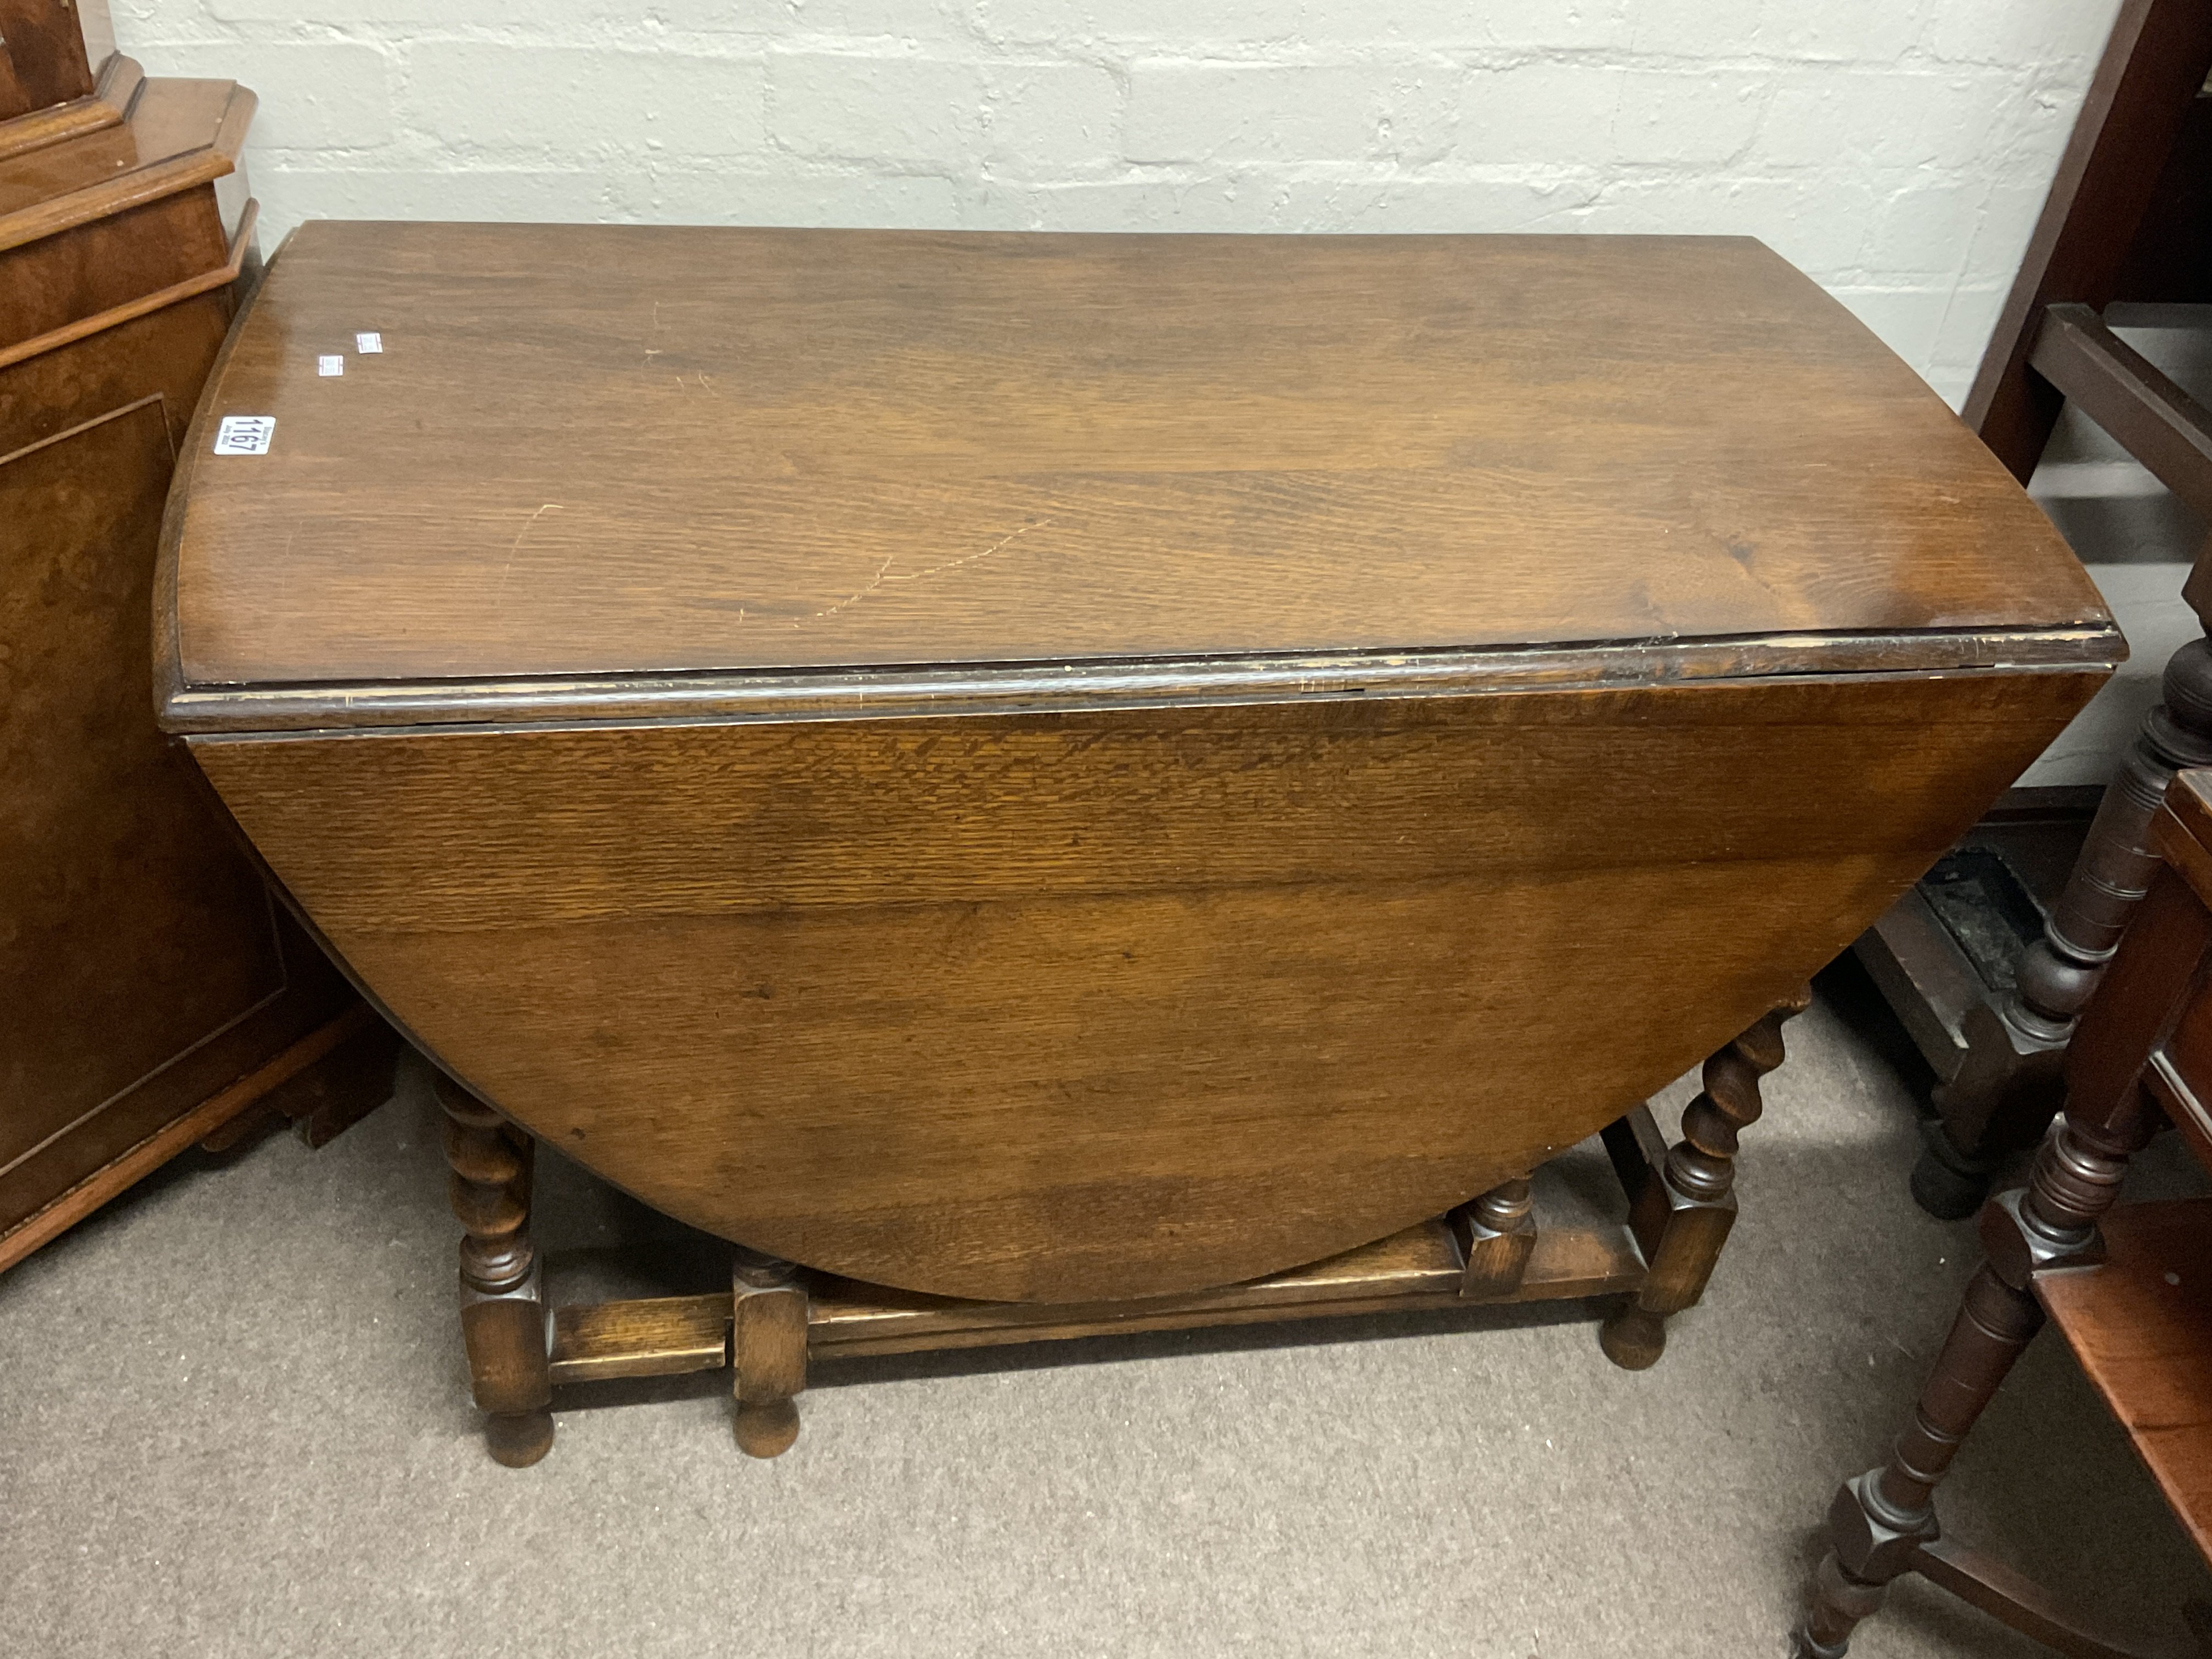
(2120, 389)
(2019, 1602)
(1420, 1267)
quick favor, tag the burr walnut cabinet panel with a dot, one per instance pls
(149, 988)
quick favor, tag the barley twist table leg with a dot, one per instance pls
(502, 1299)
(1683, 1215)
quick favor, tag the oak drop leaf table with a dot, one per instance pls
(1039, 784)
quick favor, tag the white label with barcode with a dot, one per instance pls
(245, 435)
(369, 342)
(333, 364)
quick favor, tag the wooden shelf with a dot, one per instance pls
(2141, 1324)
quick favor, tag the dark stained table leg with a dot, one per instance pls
(1682, 1215)
(503, 1318)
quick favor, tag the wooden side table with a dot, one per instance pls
(2130, 1289)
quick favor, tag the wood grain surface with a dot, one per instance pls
(1418, 1268)
(105, 105)
(866, 738)
(151, 989)
(135, 927)
(1128, 1002)
(225, 278)
(2141, 1324)
(179, 134)
(169, 351)
(592, 450)
(42, 55)
(99, 221)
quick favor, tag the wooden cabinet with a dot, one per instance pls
(150, 989)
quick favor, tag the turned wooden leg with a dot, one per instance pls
(2007, 1088)
(1683, 1210)
(2115, 868)
(767, 1350)
(1880, 1521)
(1497, 1232)
(502, 1296)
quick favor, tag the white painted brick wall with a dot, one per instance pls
(1896, 149)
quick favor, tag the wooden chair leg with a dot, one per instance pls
(767, 1351)
(2114, 870)
(503, 1319)
(1681, 1216)
(1881, 1521)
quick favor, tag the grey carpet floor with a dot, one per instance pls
(233, 1421)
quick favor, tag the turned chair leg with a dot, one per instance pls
(1683, 1212)
(1881, 1518)
(502, 1288)
(2006, 1092)
(2114, 870)
(767, 1351)
(1881, 1522)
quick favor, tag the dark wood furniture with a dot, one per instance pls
(2128, 218)
(150, 993)
(44, 76)
(1046, 783)
(2130, 1289)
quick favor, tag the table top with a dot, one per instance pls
(622, 450)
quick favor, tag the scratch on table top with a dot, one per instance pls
(855, 597)
(883, 576)
(507, 569)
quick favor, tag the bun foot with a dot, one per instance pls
(1944, 1192)
(1633, 1338)
(1947, 1183)
(518, 1440)
(766, 1428)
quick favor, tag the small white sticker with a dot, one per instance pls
(333, 364)
(245, 435)
(367, 343)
